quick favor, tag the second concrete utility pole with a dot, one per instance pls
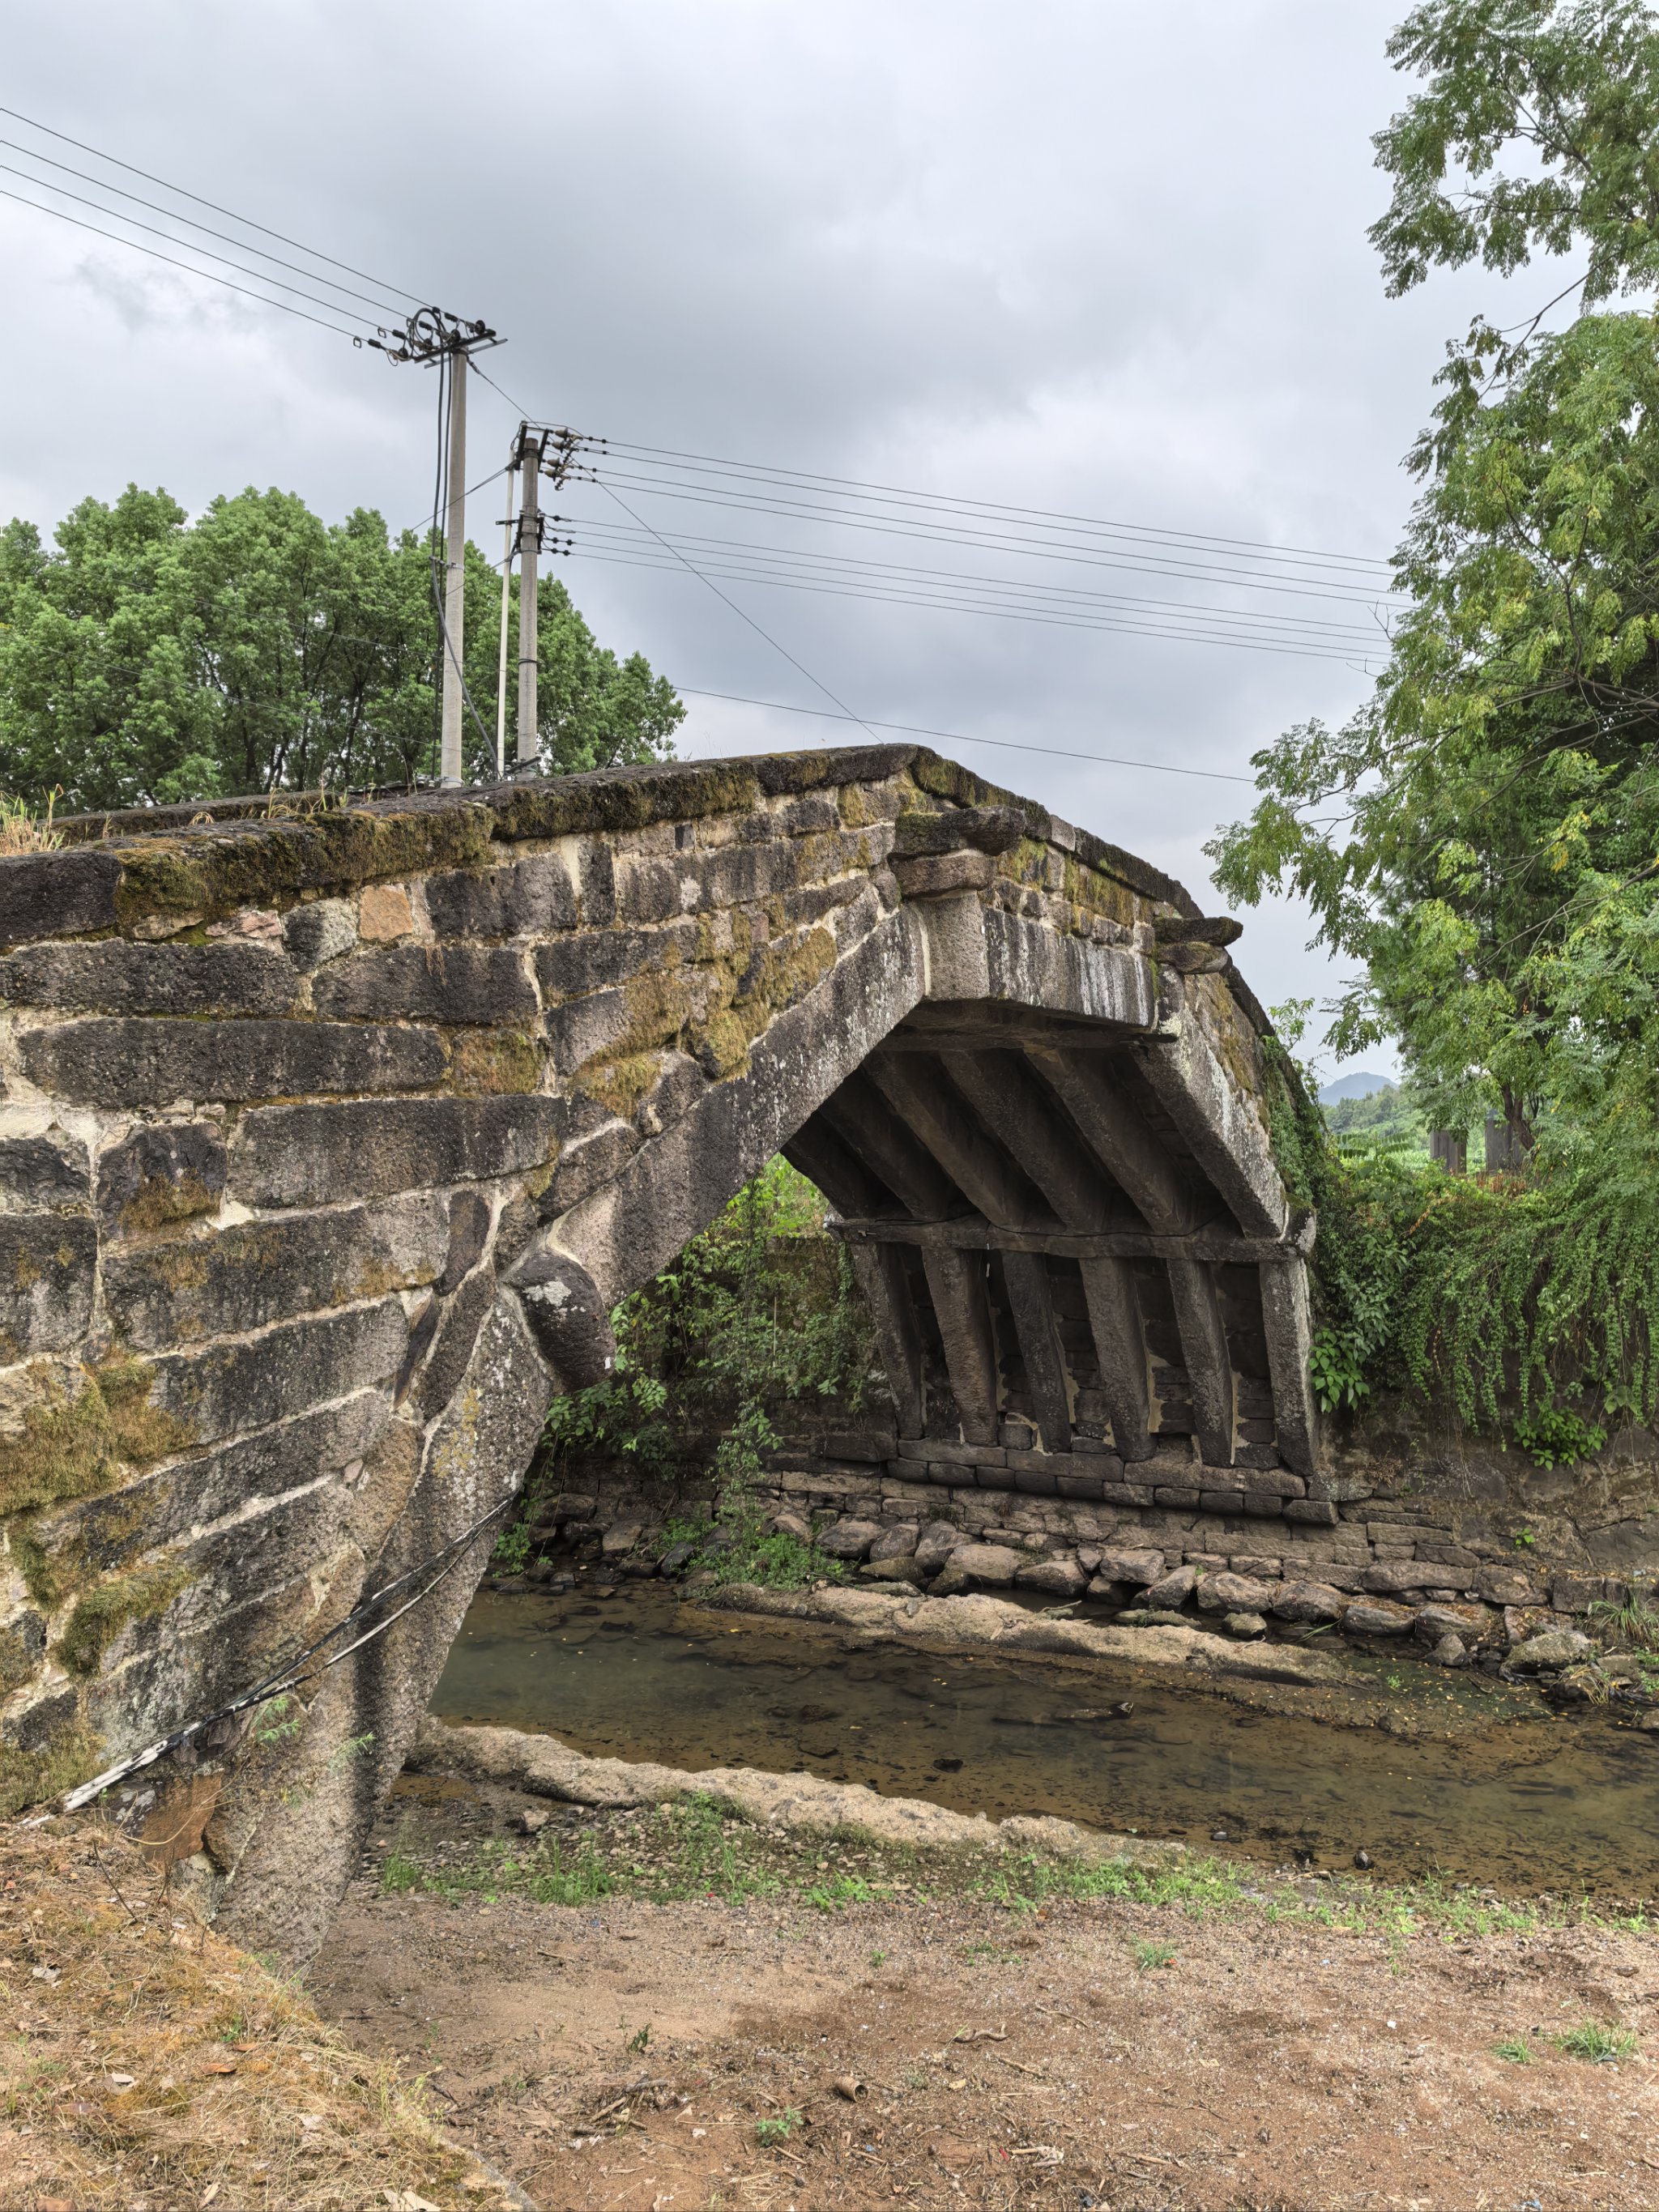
(530, 542)
(454, 640)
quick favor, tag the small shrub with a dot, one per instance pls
(1550, 1435)
(779, 2128)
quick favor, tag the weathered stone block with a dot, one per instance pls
(159, 1175)
(523, 900)
(245, 1277)
(151, 1063)
(48, 1266)
(1311, 1602)
(1231, 1593)
(233, 1388)
(130, 978)
(307, 1155)
(319, 930)
(458, 1331)
(449, 983)
(933, 877)
(57, 894)
(995, 1564)
(44, 1174)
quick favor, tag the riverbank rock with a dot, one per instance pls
(547, 1768)
(849, 1539)
(1172, 1590)
(1377, 1616)
(899, 1543)
(1062, 1579)
(981, 1623)
(1136, 1568)
(1244, 1625)
(1311, 1603)
(1557, 1647)
(996, 1564)
(935, 1544)
(1231, 1593)
(621, 1537)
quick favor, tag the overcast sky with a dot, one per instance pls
(1080, 255)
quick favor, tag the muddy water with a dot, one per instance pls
(1526, 1800)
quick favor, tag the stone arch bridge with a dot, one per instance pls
(331, 1134)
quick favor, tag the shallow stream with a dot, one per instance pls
(1527, 1799)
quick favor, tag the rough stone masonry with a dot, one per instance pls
(333, 1133)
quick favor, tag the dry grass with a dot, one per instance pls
(144, 2062)
(23, 832)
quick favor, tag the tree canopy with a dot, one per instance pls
(146, 657)
(1483, 835)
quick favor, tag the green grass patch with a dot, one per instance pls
(779, 2127)
(1514, 2048)
(1592, 2041)
(1149, 1956)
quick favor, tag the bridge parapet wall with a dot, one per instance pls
(329, 1132)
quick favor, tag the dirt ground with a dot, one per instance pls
(748, 2049)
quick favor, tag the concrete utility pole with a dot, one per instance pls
(501, 665)
(530, 544)
(449, 765)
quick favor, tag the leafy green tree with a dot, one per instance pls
(1482, 835)
(145, 657)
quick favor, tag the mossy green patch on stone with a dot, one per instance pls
(621, 1085)
(102, 1613)
(30, 1778)
(492, 1063)
(72, 1442)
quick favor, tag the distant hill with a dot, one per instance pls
(1360, 1085)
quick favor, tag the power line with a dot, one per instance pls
(990, 506)
(157, 208)
(959, 737)
(1281, 584)
(845, 711)
(190, 244)
(784, 562)
(137, 246)
(247, 221)
(1174, 634)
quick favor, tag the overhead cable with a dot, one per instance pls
(189, 221)
(183, 192)
(137, 246)
(960, 737)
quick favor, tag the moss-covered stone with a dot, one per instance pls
(102, 1613)
(72, 1442)
(493, 1063)
(30, 1778)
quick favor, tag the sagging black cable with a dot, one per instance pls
(292, 1676)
